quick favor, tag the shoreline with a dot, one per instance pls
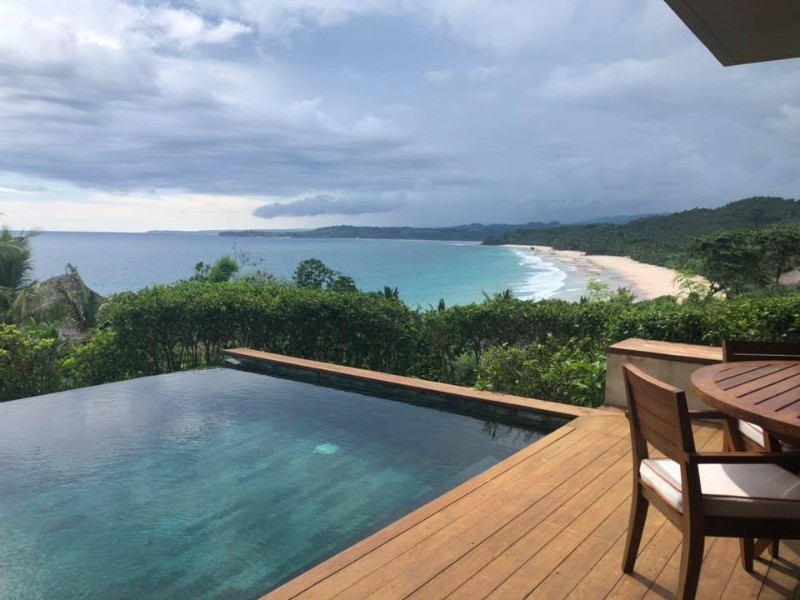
(646, 281)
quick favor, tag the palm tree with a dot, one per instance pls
(64, 300)
(17, 287)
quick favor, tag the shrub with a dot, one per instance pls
(552, 349)
(188, 324)
(28, 362)
(573, 373)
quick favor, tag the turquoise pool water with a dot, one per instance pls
(214, 484)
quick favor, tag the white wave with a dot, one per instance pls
(545, 279)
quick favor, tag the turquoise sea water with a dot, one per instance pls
(215, 484)
(423, 271)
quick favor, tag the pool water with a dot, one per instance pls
(214, 484)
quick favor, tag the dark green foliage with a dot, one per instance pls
(313, 273)
(16, 268)
(746, 259)
(497, 344)
(390, 293)
(573, 373)
(68, 301)
(730, 260)
(101, 358)
(223, 269)
(186, 325)
(553, 350)
(28, 361)
(343, 283)
(781, 246)
(474, 231)
(663, 239)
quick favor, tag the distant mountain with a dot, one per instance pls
(476, 232)
(659, 239)
(225, 232)
(616, 219)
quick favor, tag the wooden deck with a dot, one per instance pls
(548, 522)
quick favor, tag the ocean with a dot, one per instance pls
(423, 271)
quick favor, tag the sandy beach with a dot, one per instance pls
(644, 280)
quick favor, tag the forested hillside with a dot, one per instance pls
(476, 232)
(660, 239)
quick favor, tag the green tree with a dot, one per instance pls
(343, 283)
(223, 269)
(731, 260)
(313, 273)
(17, 286)
(780, 247)
(390, 293)
(67, 300)
(28, 362)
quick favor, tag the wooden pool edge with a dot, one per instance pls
(580, 418)
(307, 581)
(412, 384)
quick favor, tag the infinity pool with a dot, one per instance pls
(215, 484)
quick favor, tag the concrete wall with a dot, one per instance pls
(673, 363)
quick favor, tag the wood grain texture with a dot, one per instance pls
(766, 393)
(691, 353)
(548, 522)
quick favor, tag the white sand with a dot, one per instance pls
(645, 281)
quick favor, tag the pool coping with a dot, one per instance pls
(307, 579)
(410, 383)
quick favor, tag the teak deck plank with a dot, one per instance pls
(395, 546)
(549, 522)
(552, 524)
(448, 580)
(472, 524)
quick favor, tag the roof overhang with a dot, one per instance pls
(743, 31)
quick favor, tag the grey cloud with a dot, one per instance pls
(121, 139)
(323, 204)
(23, 189)
(594, 107)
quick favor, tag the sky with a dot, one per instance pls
(272, 114)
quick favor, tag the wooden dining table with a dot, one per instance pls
(766, 393)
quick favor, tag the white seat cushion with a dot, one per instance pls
(752, 432)
(756, 433)
(738, 490)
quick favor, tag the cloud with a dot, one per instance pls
(323, 204)
(309, 107)
(188, 29)
(23, 189)
(505, 28)
(787, 120)
(485, 72)
(128, 97)
(441, 76)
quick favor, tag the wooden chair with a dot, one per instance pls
(742, 435)
(727, 494)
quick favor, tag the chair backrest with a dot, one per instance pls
(735, 351)
(659, 415)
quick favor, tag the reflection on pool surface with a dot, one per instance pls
(214, 484)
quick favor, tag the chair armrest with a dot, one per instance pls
(708, 414)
